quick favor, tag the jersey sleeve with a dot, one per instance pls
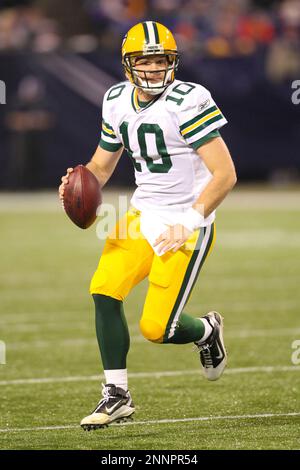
(201, 119)
(109, 140)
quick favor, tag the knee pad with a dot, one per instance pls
(152, 330)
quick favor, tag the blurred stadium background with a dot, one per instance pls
(57, 58)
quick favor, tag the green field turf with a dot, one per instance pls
(47, 323)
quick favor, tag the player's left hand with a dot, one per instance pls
(172, 239)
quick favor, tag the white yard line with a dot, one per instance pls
(161, 421)
(242, 198)
(142, 375)
(259, 304)
(135, 338)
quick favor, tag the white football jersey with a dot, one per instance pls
(161, 139)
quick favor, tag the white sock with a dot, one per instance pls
(118, 377)
(208, 329)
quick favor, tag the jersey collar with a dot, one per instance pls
(135, 102)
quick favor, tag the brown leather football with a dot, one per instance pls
(82, 197)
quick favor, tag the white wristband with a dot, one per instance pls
(192, 219)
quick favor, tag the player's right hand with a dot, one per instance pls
(65, 180)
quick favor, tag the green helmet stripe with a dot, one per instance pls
(146, 32)
(155, 32)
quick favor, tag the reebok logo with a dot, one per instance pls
(203, 105)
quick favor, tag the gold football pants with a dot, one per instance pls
(126, 260)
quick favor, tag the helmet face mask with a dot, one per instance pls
(149, 40)
(144, 78)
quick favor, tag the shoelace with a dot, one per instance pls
(105, 393)
(207, 359)
(106, 397)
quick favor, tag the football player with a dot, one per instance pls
(183, 170)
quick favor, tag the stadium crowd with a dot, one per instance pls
(203, 28)
(246, 51)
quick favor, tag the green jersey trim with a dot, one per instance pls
(109, 146)
(211, 135)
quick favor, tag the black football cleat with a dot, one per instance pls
(212, 351)
(115, 406)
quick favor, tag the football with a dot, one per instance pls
(82, 197)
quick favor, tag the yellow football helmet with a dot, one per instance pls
(144, 39)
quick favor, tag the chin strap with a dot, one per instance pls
(155, 92)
